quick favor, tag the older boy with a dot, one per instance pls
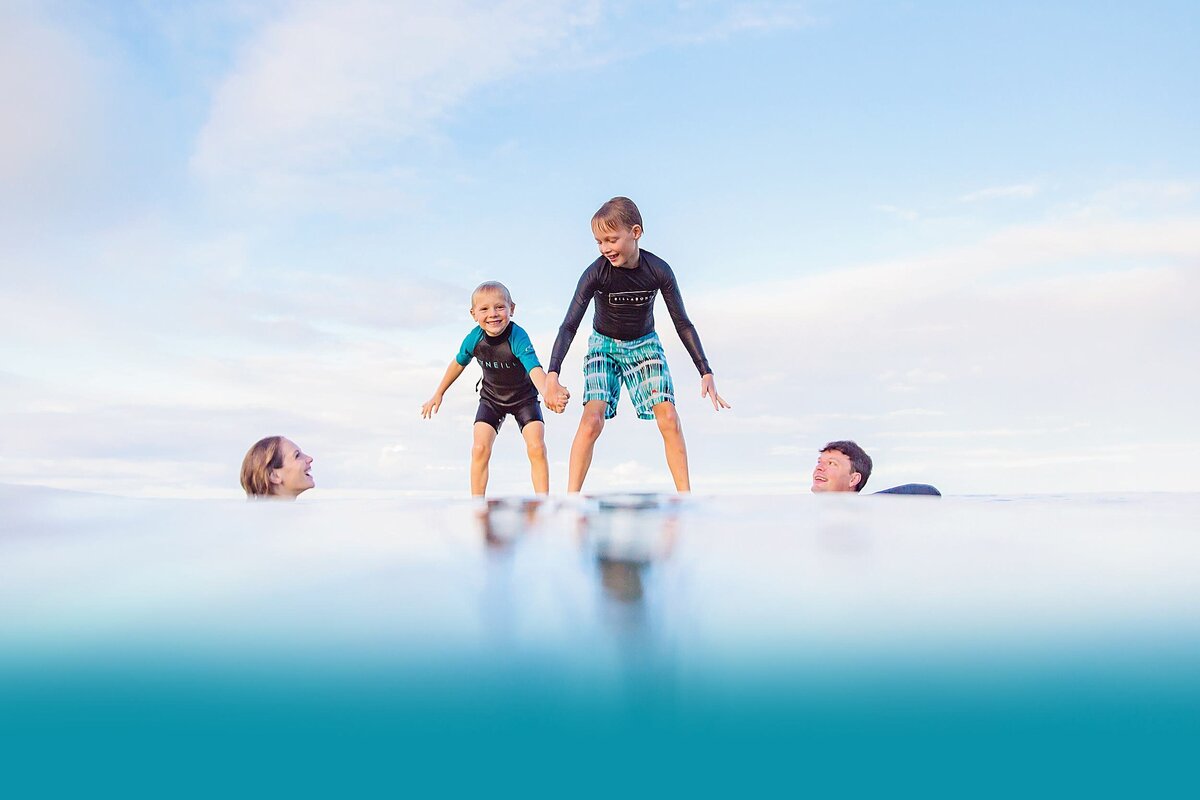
(512, 378)
(623, 347)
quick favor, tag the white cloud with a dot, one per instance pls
(1101, 239)
(701, 21)
(389, 303)
(1020, 191)
(980, 433)
(327, 102)
(912, 379)
(324, 96)
(1143, 194)
(1064, 337)
(906, 214)
(51, 90)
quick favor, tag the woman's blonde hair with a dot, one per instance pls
(262, 457)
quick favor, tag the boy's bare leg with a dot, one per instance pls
(481, 454)
(534, 434)
(672, 433)
(590, 426)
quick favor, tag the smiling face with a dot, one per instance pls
(834, 473)
(491, 310)
(294, 476)
(619, 244)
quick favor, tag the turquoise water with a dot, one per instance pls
(979, 645)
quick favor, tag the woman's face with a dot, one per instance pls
(293, 477)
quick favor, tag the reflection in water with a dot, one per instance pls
(621, 538)
(621, 579)
(626, 534)
(686, 632)
(504, 520)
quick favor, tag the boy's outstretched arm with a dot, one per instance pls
(432, 404)
(708, 388)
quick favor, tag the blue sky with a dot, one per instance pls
(966, 236)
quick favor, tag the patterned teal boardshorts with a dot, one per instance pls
(639, 363)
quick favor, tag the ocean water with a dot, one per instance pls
(622, 643)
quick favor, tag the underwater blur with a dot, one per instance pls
(729, 644)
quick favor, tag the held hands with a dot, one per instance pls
(431, 406)
(556, 395)
(560, 403)
(708, 388)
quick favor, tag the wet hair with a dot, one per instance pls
(491, 286)
(616, 213)
(262, 457)
(860, 462)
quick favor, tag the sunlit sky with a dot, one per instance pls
(965, 235)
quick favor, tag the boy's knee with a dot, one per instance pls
(591, 424)
(667, 418)
(481, 450)
(536, 449)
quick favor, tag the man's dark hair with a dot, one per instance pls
(860, 462)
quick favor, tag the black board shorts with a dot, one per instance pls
(493, 414)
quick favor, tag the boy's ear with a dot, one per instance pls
(637, 231)
(512, 308)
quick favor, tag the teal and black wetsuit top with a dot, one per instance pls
(507, 360)
(625, 306)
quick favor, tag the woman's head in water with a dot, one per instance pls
(276, 467)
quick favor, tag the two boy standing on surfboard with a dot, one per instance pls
(623, 349)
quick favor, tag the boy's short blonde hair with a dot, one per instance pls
(616, 213)
(491, 286)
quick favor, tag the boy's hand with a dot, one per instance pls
(708, 388)
(556, 395)
(431, 406)
(563, 397)
(557, 402)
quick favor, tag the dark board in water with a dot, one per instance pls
(912, 488)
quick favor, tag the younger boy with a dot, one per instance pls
(623, 347)
(512, 378)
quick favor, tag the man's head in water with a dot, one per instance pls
(841, 467)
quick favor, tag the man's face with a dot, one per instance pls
(834, 473)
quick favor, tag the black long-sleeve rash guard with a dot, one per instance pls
(625, 306)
